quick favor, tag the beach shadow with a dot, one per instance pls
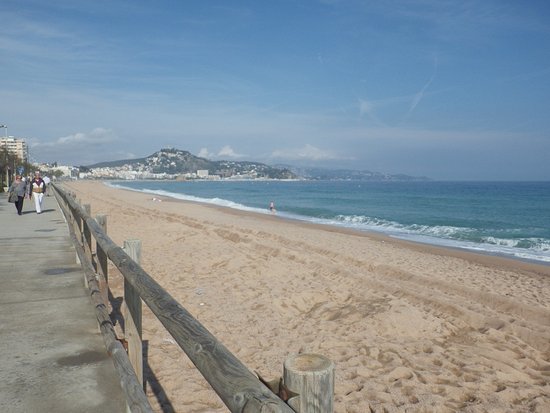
(150, 379)
(34, 212)
(116, 313)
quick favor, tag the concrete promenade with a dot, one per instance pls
(52, 355)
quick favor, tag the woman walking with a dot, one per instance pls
(37, 189)
(19, 188)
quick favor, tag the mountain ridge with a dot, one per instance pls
(341, 174)
(176, 161)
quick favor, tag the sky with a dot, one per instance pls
(450, 90)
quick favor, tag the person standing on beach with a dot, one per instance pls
(19, 187)
(37, 187)
(272, 207)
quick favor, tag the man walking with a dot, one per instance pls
(37, 188)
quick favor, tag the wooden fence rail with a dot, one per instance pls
(238, 388)
(136, 400)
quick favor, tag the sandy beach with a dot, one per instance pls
(410, 328)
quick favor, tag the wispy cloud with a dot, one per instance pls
(367, 108)
(418, 96)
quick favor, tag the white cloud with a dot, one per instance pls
(96, 136)
(79, 148)
(308, 152)
(228, 152)
(203, 153)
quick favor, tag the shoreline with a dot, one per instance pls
(481, 257)
(373, 232)
(410, 327)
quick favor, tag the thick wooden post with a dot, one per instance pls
(311, 376)
(132, 313)
(86, 238)
(102, 261)
(76, 222)
(87, 235)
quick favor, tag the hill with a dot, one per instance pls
(171, 161)
(175, 161)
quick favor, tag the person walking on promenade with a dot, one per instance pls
(47, 182)
(19, 188)
(37, 187)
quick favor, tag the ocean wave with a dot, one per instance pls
(443, 231)
(535, 249)
(184, 197)
(509, 243)
(539, 244)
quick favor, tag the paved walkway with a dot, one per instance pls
(52, 356)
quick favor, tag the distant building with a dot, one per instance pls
(67, 171)
(202, 173)
(61, 171)
(15, 146)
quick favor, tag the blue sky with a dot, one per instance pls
(445, 89)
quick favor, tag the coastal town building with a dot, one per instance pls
(55, 171)
(15, 146)
(126, 173)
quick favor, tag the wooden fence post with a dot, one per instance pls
(102, 261)
(71, 220)
(86, 234)
(311, 376)
(77, 227)
(132, 313)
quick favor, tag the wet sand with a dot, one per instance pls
(410, 327)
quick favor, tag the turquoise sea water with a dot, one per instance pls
(503, 218)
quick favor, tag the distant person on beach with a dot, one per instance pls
(37, 187)
(19, 188)
(272, 207)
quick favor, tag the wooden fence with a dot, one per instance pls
(310, 376)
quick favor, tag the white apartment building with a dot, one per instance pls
(67, 171)
(15, 146)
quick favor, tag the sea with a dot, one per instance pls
(510, 219)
